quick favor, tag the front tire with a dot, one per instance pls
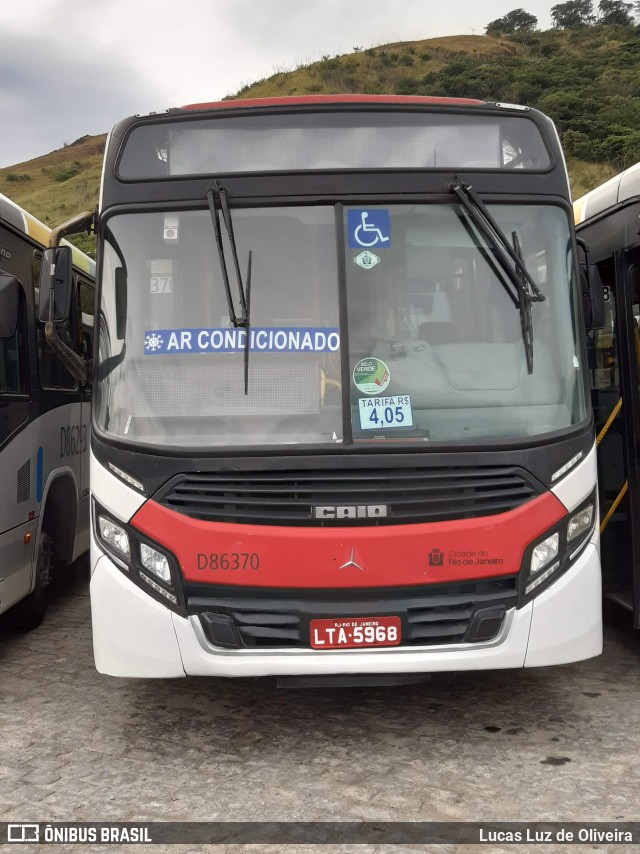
(29, 613)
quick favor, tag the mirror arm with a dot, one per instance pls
(76, 225)
(74, 363)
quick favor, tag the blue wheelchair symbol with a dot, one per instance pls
(368, 229)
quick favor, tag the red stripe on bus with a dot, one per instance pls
(386, 556)
(334, 99)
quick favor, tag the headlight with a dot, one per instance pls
(153, 570)
(155, 562)
(547, 558)
(114, 535)
(544, 552)
(580, 522)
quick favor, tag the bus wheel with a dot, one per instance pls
(29, 613)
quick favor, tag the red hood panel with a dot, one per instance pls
(393, 555)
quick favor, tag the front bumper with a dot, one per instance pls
(135, 636)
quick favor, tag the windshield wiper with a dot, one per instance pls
(217, 199)
(524, 304)
(509, 259)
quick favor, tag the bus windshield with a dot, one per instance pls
(434, 345)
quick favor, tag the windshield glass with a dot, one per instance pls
(177, 376)
(435, 344)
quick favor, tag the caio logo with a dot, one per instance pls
(436, 557)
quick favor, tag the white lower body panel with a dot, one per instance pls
(133, 635)
(16, 563)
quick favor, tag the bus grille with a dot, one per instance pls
(464, 612)
(408, 495)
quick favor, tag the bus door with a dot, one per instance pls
(614, 357)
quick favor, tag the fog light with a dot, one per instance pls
(544, 552)
(580, 522)
(113, 535)
(541, 578)
(155, 562)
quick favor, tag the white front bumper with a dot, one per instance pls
(133, 635)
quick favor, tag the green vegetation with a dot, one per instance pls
(587, 80)
(517, 21)
(71, 172)
(59, 185)
(584, 73)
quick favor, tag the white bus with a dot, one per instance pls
(342, 421)
(607, 220)
(44, 423)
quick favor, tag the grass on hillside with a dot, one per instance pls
(59, 185)
(587, 176)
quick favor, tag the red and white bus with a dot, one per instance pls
(342, 419)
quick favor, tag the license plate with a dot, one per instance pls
(355, 632)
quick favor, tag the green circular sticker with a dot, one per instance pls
(371, 375)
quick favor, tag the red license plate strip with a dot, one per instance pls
(355, 632)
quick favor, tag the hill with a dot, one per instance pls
(587, 79)
(59, 185)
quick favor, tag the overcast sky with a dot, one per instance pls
(74, 67)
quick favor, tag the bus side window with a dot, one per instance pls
(13, 357)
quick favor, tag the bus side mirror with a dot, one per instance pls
(8, 305)
(121, 303)
(55, 279)
(592, 296)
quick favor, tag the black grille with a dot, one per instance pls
(445, 622)
(23, 486)
(289, 498)
(444, 614)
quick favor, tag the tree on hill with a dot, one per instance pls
(517, 21)
(615, 12)
(573, 14)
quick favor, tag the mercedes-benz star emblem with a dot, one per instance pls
(352, 562)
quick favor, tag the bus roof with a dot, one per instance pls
(23, 221)
(621, 188)
(425, 100)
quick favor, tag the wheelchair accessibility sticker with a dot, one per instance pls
(368, 229)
